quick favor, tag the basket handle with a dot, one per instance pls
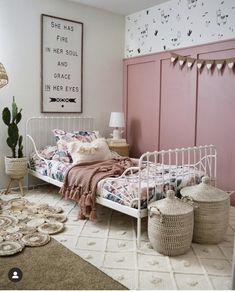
(189, 200)
(230, 193)
(158, 212)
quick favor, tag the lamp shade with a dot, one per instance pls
(3, 76)
(116, 120)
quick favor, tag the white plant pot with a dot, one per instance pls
(16, 168)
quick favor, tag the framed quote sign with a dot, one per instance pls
(61, 65)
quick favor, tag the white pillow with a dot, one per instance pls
(96, 150)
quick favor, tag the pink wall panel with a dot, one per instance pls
(142, 107)
(178, 106)
(216, 116)
(167, 107)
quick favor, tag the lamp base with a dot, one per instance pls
(117, 134)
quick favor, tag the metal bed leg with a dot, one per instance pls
(138, 231)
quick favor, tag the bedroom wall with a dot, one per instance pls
(103, 46)
(185, 106)
(177, 24)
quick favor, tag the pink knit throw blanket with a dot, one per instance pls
(81, 180)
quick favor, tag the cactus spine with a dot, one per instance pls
(11, 119)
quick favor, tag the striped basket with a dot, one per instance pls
(211, 221)
(170, 225)
(211, 216)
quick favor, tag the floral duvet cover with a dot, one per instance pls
(157, 180)
(125, 191)
(56, 168)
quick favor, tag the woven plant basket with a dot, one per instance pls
(170, 225)
(16, 168)
(211, 217)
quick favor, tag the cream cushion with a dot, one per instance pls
(96, 150)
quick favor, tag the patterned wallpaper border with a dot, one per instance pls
(178, 24)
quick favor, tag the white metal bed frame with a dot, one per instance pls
(202, 158)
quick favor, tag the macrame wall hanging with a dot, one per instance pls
(209, 64)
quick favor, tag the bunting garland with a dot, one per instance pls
(209, 64)
(181, 60)
(200, 63)
(230, 63)
(190, 62)
(174, 58)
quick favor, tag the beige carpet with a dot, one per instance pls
(110, 245)
(54, 267)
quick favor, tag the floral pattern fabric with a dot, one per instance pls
(156, 178)
(63, 138)
(52, 168)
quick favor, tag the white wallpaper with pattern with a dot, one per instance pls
(177, 24)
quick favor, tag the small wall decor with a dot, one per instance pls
(219, 63)
(61, 65)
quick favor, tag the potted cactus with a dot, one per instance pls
(16, 165)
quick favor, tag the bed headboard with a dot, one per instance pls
(40, 129)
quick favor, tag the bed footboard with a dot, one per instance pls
(196, 161)
(157, 172)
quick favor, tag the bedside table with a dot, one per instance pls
(122, 149)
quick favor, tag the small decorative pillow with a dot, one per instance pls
(85, 136)
(89, 135)
(96, 150)
(61, 135)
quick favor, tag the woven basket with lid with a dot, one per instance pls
(170, 225)
(211, 217)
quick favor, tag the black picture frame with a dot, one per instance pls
(61, 65)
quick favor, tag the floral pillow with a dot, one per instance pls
(63, 137)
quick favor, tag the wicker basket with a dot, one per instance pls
(16, 168)
(211, 216)
(170, 225)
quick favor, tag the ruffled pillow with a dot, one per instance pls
(96, 150)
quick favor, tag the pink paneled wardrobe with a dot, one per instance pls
(167, 106)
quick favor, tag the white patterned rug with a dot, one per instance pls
(110, 245)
